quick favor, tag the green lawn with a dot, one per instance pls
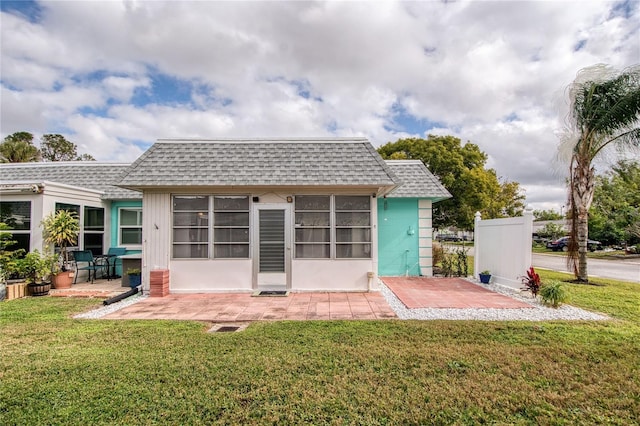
(57, 370)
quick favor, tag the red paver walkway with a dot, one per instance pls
(420, 292)
(234, 307)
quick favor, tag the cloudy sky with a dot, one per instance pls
(113, 76)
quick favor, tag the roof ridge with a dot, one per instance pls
(270, 140)
(407, 161)
(63, 163)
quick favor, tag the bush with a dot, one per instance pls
(438, 254)
(553, 293)
(531, 281)
(456, 263)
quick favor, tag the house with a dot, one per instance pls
(110, 216)
(405, 221)
(241, 215)
(266, 214)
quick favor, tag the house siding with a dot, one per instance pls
(398, 250)
(425, 237)
(156, 234)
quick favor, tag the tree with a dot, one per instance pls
(19, 148)
(604, 111)
(552, 231)
(546, 215)
(461, 170)
(615, 212)
(56, 147)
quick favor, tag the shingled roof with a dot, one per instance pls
(417, 181)
(84, 174)
(260, 162)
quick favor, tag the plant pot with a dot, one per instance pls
(39, 289)
(134, 280)
(62, 280)
(485, 278)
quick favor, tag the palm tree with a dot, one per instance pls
(19, 148)
(604, 111)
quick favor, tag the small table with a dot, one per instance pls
(105, 261)
(130, 261)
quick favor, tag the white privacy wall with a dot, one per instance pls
(503, 246)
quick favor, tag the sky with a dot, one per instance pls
(114, 76)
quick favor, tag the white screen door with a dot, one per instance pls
(273, 248)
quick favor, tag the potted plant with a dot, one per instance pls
(485, 276)
(35, 267)
(61, 230)
(135, 277)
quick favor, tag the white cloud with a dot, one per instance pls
(490, 72)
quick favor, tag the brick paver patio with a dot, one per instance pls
(235, 307)
(421, 292)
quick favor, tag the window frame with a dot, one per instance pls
(21, 232)
(81, 211)
(334, 227)
(212, 243)
(139, 216)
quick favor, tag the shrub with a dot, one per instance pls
(553, 293)
(438, 254)
(531, 281)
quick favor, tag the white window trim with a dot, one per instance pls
(333, 243)
(120, 227)
(211, 228)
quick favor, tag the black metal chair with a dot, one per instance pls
(85, 257)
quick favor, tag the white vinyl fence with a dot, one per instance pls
(503, 246)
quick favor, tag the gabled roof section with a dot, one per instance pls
(84, 174)
(260, 162)
(417, 181)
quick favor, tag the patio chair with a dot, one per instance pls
(108, 261)
(85, 257)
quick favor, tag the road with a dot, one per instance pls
(627, 270)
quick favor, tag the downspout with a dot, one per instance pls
(370, 276)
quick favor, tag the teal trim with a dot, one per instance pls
(397, 250)
(115, 205)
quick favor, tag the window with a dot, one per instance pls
(130, 227)
(91, 235)
(17, 215)
(191, 227)
(313, 226)
(347, 220)
(193, 231)
(231, 227)
(93, 229)
(353, 226)
(68, 207)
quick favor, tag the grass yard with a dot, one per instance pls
(57, 370)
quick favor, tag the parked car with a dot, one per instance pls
(563, 244)
(446, 237)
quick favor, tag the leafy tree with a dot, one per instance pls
(56, 147)
(615, 212)
(546, 215)
(604, 111)
(552, 231)
(461, 170)
(19, 148)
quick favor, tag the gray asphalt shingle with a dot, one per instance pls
(83, 174)
(260, 162)
(417, 181)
